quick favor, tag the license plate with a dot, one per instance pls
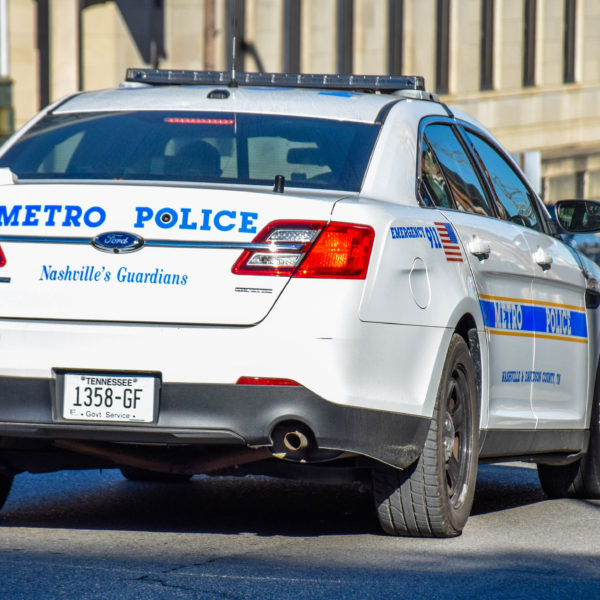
(112, 398)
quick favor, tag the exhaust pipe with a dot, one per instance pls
(295, 441)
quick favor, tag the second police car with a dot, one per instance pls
(304, 276)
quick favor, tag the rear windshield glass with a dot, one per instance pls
(192, 146)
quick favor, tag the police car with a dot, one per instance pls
(310, 276)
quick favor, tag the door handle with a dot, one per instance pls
(479, 248)
(542, 258)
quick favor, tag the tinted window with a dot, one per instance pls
(186, 146)
(516, 201)
(462, 180)
(433, 178)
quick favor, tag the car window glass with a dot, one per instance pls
(433, 178)
(516, 202)
(296, 161)
(463, 181)
(195, 146)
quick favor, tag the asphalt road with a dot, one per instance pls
(96, 535)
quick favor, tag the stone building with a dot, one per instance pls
(528, 69)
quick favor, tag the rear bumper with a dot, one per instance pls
(221, 414)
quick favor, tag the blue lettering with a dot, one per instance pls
(432, 237)
(31, 211)
(51, 209)
(143, 214)
(399, 233)
(248, 219)
(11, 218)
(224, 213)
(72, 217)
(87, 219)
(185, 224)
(206, 212)
(46, 270)
(165, 218)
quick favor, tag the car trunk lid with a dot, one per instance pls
(141, 253)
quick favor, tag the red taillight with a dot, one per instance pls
(310, 249)
(342, 250)
(266, 381)
(2, 257)
(191, 121)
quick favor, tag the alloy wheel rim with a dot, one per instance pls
(456, 437)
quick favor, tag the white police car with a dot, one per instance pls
(332, 277)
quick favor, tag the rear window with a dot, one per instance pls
(195, 146)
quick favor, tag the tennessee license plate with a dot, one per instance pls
(112, 398)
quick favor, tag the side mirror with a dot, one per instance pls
(578, 216)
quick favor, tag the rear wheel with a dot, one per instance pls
(433, 497)
(580, 479)
(5, 485)
(135, 474)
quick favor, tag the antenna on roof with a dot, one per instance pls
(233, 82)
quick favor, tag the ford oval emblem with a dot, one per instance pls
(118, 242)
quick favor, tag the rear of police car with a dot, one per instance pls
(177, 295)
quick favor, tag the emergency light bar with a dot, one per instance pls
(374, 83)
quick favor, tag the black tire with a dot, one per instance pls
(5, 485)
(433, 497)
(580, 479)
(143, 475)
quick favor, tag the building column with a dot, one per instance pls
(64, 48)
(6, 111)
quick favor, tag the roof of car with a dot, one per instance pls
(342, 97)
(329, 104)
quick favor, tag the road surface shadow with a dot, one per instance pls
(210, 505)
(265, 506)
(506, 486)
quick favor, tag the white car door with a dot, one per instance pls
(558, 381)
(501, 262)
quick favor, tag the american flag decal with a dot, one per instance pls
(449, 242)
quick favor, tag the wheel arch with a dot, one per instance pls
(467, 329)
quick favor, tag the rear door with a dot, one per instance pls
(558, 380)
(501, 263)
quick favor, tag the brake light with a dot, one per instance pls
(343, 250)
(266, 381)
(2, 257)
(309, 249)
(195, 121)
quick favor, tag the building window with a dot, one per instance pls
(291, 36)
(486, 81)
(569, 41)
(345, 35)
(442, 54)
(529, 40)
(581, 178)
(395, 37)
